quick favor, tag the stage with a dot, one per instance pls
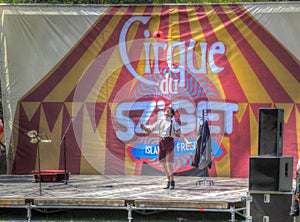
(129, 193)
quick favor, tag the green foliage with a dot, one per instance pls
(124, 1)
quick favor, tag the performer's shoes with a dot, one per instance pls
(294, 208)
(172, 185)
(168, 185)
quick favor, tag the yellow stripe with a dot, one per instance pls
(174, 29)
(252, 87)
(129, 165)
(69, 82)
(195, 27)
(73, 107)
(153, 26)
(241, 112)
(285, 78)
(198, 36)
(111, 72)
(253, 133)
(30, 108)
(106, 82)
(174, 32)
(223, 166)
(288, 108)
(50, 152)
(94, 142)
(93, 147)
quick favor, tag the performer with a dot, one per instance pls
(167, 129)
(296, 196)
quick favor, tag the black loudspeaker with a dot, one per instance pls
(272, 207)
(268, 173)
(270, 132)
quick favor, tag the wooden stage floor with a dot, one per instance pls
(131, 193)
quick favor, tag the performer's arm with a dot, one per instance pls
(178, 132)
(145, 128)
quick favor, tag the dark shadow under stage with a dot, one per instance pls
(132, 193)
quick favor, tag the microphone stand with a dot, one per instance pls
(63, 140)
(35, 138)
(39, 168)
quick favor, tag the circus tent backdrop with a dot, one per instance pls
(94, 74)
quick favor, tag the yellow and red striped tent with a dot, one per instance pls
(86, 77)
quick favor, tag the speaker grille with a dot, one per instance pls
(270, 173)
(270, 132)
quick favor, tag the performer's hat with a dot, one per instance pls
(172, 108)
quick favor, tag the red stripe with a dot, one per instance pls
(115, 148)
(270, 83)
(26, 152)
(279, 51)
(289, 138)
(229, 82)
(136, 49)
(240, 146)
(138, 169)
(92, 74)
(51, 82)
(184, 26)
(186, 35)
(73, 139)
(95, 111)
(52, 111)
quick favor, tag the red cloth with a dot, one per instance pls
(166, 150)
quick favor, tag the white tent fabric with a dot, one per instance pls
(34, 38)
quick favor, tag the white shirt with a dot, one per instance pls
(163, 127)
